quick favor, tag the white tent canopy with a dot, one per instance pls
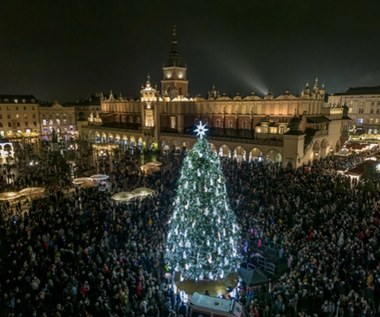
(140, 192)
(99, 177)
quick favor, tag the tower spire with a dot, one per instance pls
(174, 58)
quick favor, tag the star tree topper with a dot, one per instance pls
(201, 130)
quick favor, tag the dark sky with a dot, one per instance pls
(66, 50)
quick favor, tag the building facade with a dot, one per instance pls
(364, 108)
(19, 119)
(59, 119)
(286, 128)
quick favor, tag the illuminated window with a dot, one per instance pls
(17, 116)
(173, 122)
(230, 124)
(360, 120)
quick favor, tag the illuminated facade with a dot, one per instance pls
(364, 108)
(58, 118)
(286, 128)
(19, 119)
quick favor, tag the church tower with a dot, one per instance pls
(174, 83)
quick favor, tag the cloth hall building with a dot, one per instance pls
(289, 129)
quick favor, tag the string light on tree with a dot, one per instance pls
(203, 233)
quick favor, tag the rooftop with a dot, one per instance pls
(17, 99)
(374, 90)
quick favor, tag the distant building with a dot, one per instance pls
(59, 118)
(87, 106)
(19, 118)
(286, 128)
(363, 108)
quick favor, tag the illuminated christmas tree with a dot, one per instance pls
(203, 233)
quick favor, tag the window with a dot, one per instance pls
(244, 124)
(230, 124)
(173, 122)
(218, 123)
(16, 106)
(361, 110)
(34, 115)
(377, 111)
(372, 111)
(26, 123)
(17, 116)
(9, 116)
(44, 122)
(1, 116)
(360, 120)
(281, 129)
(35, 123)
(24, 106)
(378, 103)
(9, 125)
(18, 124)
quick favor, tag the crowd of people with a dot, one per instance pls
(328, 227)
(83, 254)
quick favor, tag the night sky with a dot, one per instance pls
(67, 50)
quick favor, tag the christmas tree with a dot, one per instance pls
(203, 233)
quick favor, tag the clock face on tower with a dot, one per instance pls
(168, 74)
(180, 74)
